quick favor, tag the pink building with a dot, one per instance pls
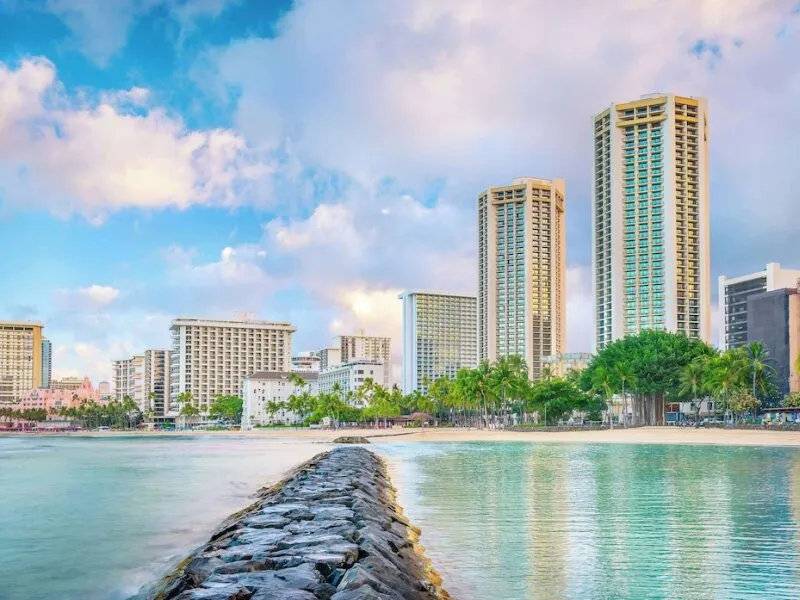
(55, 399)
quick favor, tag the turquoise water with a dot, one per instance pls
(522, 521)
(96, 518)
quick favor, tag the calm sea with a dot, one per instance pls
(96, 518)
(89, 519)
(523, 521)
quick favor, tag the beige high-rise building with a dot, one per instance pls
(211, 357)
(20, 358)
(156, 382)
(650, 223)
(522, 271)
(362, 346)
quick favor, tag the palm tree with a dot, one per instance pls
(624, 375)
(692, 381)
(603, 384)
(726, 374)
(758, 355)
(506, 375)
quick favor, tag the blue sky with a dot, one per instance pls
(309, 160)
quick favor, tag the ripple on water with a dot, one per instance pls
(524, 521)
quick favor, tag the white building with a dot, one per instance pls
(329, 357)
(733, 295)
(129, 381)
(156, 382)
(440, 336)
(306, 362)
(263, 388)
(361, 346)
(522, 271)
(211, 357)
(650, 223)
(350, 376)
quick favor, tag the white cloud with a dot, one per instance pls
(72, 157)
(469, 91)
(88, 298)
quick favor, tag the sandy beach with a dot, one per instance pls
(642, 435)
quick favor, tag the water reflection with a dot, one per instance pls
(524, 521)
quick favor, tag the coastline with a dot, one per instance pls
(641, 435)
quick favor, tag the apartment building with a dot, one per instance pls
(156, 382)
(734, 293)
(522, 271)
(265, 396)
(47, 363)
(362, 346)
(650, 223)
(67, 383)
(129, 381)
(773, 318)
(350, 376)
(440, 336)
(306, 362)
(20, 358)
(561, 364)
(211, 357)
(329, 357)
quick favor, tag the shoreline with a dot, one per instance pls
(640, 435)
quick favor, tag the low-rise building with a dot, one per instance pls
(265, 395)
(350, 376)
(52, 400)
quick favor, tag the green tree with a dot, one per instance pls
(227, 408)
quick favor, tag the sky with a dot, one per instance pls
(307, 161)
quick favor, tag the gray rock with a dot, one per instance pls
(301, 577)
(333, 512)
(363, 593)
(229, 592)
(201, 567)
(324, 591)
(268, 520)
(267, 538)
(282, 594)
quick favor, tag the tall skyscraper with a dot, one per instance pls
(20, 358)
(440, 336)
(329, 357)
(651, 218)
(522, 271)
(733, 295)
(47, 363)
(362, 346)
(211, 357)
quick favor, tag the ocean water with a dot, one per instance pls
(96, 518)
(516, 521)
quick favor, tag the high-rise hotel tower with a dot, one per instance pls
(522, 271)
(651, 218)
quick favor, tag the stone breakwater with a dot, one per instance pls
(330, 531)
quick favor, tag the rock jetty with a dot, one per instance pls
(331, 531)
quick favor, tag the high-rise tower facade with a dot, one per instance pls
(650, 223)
(522, 271)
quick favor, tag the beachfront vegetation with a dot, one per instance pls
(644, 374)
